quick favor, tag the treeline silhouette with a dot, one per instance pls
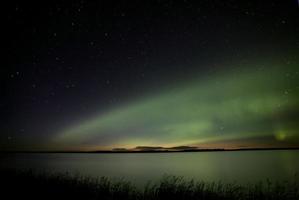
(149, 149)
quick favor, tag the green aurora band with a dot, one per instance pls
(251, 106)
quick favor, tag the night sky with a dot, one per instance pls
(95, 75)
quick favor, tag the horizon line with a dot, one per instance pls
(155, 150)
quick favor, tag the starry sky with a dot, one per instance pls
(98, 75)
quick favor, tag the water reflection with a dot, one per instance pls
(240, 166)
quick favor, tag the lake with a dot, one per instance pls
(227, 166)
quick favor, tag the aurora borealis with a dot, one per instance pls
(241, 104)
(94, 76)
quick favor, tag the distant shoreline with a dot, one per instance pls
(157, 151)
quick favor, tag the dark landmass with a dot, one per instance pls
(148, 149)
(49, 186)
(177, 148)
(183, 148)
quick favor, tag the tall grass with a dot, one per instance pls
(32, 185)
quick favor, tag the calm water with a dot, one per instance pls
(239, 166)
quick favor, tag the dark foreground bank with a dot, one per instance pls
(32, 185)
